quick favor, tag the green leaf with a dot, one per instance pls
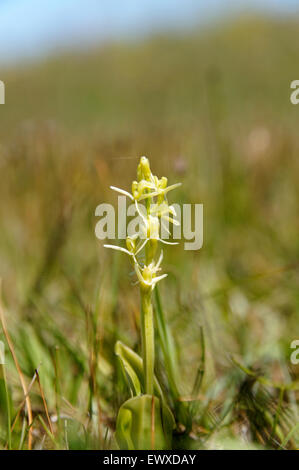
(128, 370)
(144, 423)
(132, 365)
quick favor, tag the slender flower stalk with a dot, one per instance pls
(153, 191)
(147, 336)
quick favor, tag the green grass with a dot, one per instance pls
(210, 109)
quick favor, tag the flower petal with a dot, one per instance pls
(119, 248)
(167, 243)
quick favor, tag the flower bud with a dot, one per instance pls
(153, 227)
(163, 182)
(147, 274)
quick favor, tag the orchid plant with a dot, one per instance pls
(145, 421)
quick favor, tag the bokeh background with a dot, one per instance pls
(204, 92)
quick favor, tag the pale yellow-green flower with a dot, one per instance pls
(153, 191)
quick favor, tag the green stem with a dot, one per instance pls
(147, 322)
(147, 336)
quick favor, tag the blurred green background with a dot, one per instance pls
(211, 108)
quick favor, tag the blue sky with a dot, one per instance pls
(35, 27)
